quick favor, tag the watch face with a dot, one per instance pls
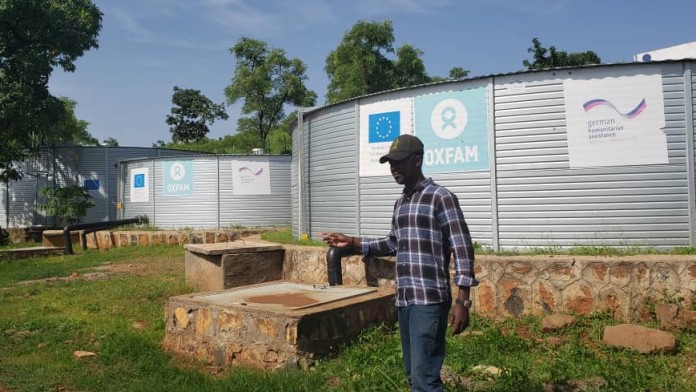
(464, 303)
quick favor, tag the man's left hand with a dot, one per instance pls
(459, 320)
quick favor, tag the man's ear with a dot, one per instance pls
(418, 160)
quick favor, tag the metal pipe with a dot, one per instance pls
(333, 264)
(95, 226)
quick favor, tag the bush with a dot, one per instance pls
(68, 204)
(4, 237)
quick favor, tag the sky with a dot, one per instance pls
(124, 88)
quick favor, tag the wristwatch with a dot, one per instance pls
(464, 303)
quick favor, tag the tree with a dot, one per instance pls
(362, 63)
(68, 204)
(191, 114)
(35, 37)
(457, 73)
(409, 69)
(110, 142)
(557, 58)
(70, 129)
(359, 65)
(267, 80)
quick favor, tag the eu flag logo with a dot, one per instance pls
(384, 127)
(139, 181)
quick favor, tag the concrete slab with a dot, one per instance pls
(239, 246)
(284, 295)
(226, 265)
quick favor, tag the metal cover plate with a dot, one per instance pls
(284, 295)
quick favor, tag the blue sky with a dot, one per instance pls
(147, 47)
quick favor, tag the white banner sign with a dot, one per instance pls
(139, 185)
(251, 178)
(615, 121)
(380, 124)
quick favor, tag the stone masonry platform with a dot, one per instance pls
(273, 325)
(625, 286)
(271, 329)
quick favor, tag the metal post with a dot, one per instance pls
(690, 150)
(492, 164)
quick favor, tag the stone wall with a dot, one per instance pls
(110, 239)
(266, 338)
(627, 287)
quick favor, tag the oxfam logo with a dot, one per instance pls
(449, 118)
(177, 171)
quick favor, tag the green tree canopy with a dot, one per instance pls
(553, 58)
(267, 80)
(359, 65)
(457, 73)
(70, 129)
(68, 204)
(191, 114)
(35, 37)
(110, 142)
(366, 62)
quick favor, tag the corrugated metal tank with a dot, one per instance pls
(209, 191)
(540, 185)
(93, 167)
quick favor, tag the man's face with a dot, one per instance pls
(405, 170)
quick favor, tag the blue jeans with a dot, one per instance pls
(422, 329)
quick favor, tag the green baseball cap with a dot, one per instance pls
(402, 147)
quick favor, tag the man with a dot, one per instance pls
(426, 229)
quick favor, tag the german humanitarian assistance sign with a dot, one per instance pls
(380, 124)
(139, 185)
(615, 121)
(251, 178)
(454, 129)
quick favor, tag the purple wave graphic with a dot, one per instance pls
(243, 169)
(593, 103)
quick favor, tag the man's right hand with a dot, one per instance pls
(337, 240)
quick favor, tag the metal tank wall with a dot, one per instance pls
(543, 202)
(208, 191)
(690, 122)
(541, 187)
(72, 165)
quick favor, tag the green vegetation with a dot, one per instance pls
(266, 80)
(553, 58)
(284, 236)
(114, 306)
(4, 237)
(361, 63)
(192, 112)
(69, 204)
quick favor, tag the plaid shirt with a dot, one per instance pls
(427, 227)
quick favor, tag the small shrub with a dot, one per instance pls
(4, 237)
(68, 204)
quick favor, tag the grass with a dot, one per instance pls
(19, 245)
(43, 322)
(284, 236)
